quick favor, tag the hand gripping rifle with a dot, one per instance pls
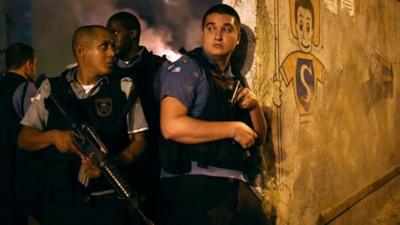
(90, 145)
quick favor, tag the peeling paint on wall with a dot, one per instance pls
(348, 5)
(353, 134)
(380, 83)
(331, 5)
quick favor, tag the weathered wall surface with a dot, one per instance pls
(330, 76)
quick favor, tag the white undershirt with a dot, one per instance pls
(87, 88)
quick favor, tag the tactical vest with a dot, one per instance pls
(143, 74)
(102, 111)
(176, 158)
(9, 131)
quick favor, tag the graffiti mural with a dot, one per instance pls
(301, 69)
(298, 80)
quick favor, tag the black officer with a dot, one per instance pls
(137, 62)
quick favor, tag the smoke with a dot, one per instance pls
(181, 17)
(157, 40)
(167, 25)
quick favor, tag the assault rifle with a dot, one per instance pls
(90, 145)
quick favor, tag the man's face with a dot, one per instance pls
(305, 31)
(100, 53)
(219, 36)
(122, 37)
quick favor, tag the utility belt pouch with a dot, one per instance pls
(175, 159)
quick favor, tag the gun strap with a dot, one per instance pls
(76, 115)
(22, 100)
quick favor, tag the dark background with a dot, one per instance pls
(48, 25)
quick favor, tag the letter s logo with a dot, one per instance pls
(304, 68)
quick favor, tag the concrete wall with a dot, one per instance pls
(332, 90)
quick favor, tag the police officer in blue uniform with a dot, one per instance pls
(211, 124)
(90, 93)
(16, 90)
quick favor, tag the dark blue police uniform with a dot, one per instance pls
(208, 182)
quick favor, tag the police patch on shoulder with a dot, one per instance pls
(103, 106)
(174, 68)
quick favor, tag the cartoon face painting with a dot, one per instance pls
(300, 68)
(305, 29)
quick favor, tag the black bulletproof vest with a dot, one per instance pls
(224, 153)
(143, 73)
(9, 130)
(102, 111)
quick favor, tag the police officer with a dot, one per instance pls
(135, 61)
(210, 122)
(90, 93)
(16, 90)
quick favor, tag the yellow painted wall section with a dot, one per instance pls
(328, 71)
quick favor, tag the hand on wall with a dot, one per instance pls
(277, 91)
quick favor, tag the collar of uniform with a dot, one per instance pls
(16, 75)
(76, 86)
(228, 71)
(71, 76)
(127, 64)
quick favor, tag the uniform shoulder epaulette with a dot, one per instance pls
(176, 66)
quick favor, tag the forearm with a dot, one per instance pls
(188, 130)
(134, 149)
(178, 126)
(32, 139)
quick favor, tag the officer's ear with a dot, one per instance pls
(133, 34)
(238, 41)
(26, 66)
(30, 68)
(80, 49)
(80, 52)
(30, 63)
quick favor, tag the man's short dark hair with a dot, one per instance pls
(223, 9)
(17, 54)
(128, 20)
(305, 4)
(85, 31)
